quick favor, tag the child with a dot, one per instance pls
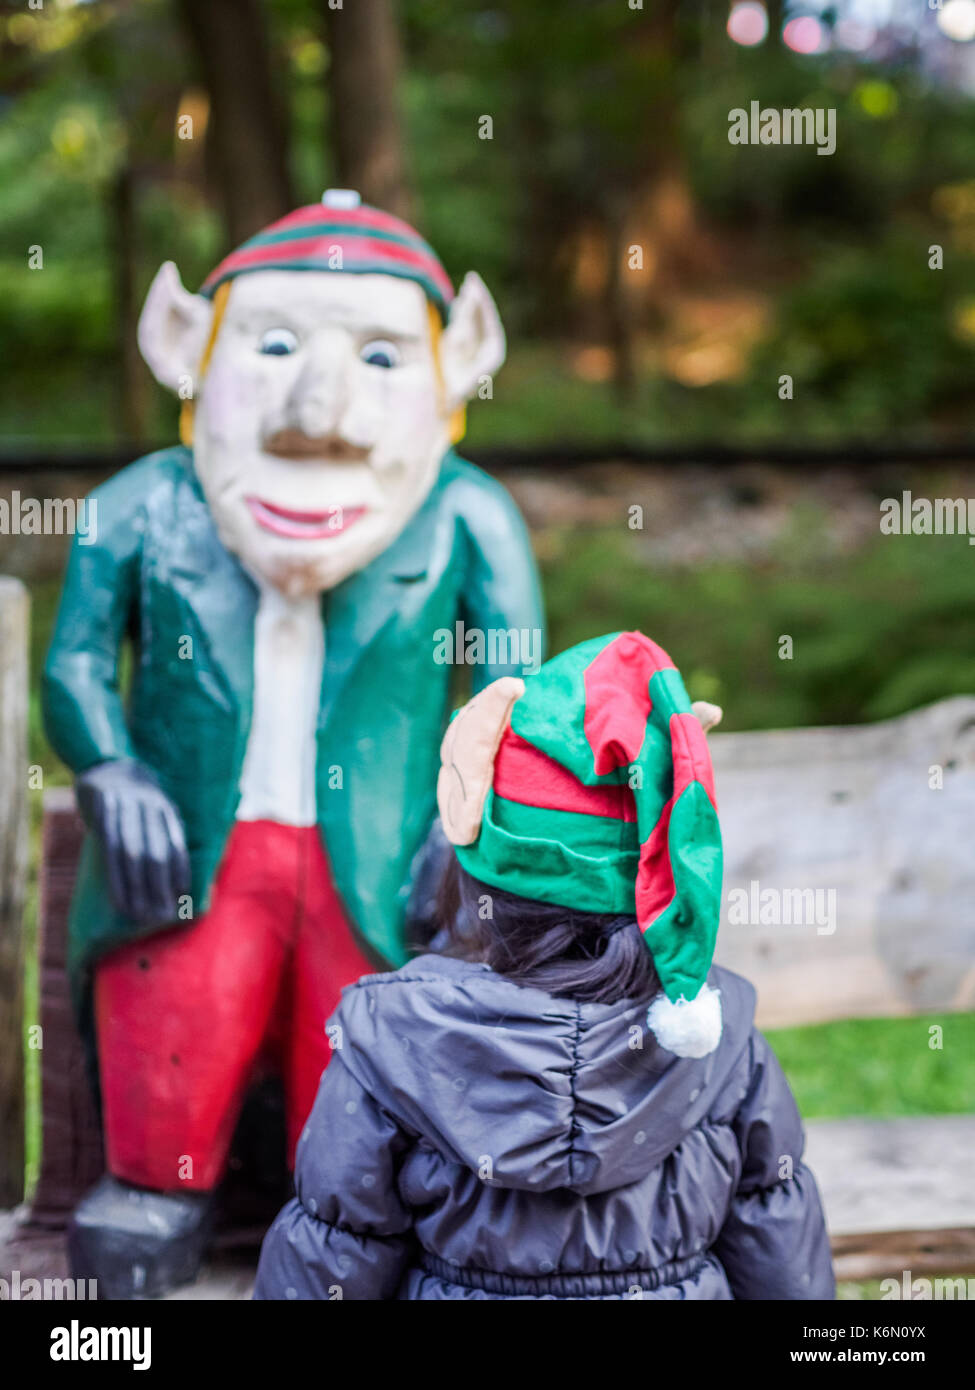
(550, 1109)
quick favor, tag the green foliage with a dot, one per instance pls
(875, 633)
(872, 339)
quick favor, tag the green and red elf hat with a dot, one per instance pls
(602, 799)
(340, 234)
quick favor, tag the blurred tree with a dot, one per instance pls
(248, 132)
(776, 21)
(602, 161)
(366, 128)
(122, 217)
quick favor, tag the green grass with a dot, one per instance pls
(880, 1066)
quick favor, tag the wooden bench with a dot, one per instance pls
(883, 815)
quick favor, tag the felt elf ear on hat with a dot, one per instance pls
(589, 785)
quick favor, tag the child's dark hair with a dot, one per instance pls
(594, 957)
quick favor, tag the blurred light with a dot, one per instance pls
(876, 98)
(748, 23)
(805, 35)
(194, 103)
(70, 137)
(593, 364)
(955, 201)
(309, 57)
(853, 36)
(21, 28)
(957, 20)
(704, 364)
(963, 320)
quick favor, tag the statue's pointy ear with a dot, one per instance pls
(173, 329)
(472, 345)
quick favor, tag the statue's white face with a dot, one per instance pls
(324, 410)
(320, 423)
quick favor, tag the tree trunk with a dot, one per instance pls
(366, 127)
(622, 322)
(776, 19)
(247, 132)
(14, 611)
(123, 237)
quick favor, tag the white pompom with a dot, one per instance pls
(688, 1029)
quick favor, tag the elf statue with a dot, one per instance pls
(259, 798)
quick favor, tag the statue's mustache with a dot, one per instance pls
(296, 444)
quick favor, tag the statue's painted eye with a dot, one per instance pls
(380, 353)
(278, 342)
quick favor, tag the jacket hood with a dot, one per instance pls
(526, 1090)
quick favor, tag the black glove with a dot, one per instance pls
(141, 835)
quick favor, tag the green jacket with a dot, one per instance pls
(158, 574)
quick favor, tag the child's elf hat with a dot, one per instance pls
(340, 233)
(589, 785)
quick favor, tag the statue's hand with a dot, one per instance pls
(142, 838)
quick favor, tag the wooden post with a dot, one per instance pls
(14, 625)
(72, 1155)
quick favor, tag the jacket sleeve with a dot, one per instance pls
(83, 711)
(773, 1244)
(501, 589)
(347, 1234)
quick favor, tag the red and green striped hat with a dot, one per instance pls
(603, 800)
(340, 234)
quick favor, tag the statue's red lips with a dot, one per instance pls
(305, 526)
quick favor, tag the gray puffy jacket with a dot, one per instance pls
(476, 1139)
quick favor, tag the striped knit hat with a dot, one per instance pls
(602, 799)
(340, 233)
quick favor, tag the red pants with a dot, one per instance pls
(182, 1017)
